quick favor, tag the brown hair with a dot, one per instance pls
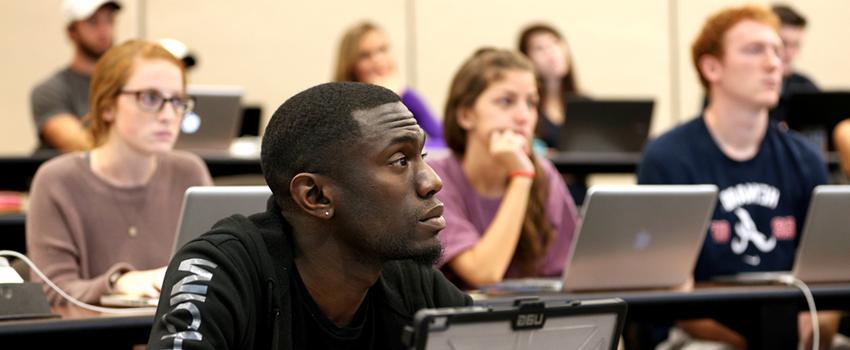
(788, 17)
(569, 82)
(111, 74)
(711, 37)
(349, 50)
(486, 67)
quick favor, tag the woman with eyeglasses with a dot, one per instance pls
(103, 221)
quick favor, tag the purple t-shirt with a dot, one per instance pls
(468, 214)
(427, 120)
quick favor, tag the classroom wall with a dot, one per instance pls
(274, 49)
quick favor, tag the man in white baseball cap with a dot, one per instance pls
(59, 103)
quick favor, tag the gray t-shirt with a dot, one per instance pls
(66, 91)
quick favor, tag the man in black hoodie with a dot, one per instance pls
(341, 258)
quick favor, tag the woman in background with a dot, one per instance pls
(103, 221)
(364, 56)
(556, 76)
(508, 213)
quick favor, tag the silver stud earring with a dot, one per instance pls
(327, 213)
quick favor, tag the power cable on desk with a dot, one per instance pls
(72, 300)
(810, 300)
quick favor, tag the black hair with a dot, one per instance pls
(314, 131)
(787, 16)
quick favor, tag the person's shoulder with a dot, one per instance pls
(548, 167)
(183, 161)
(55, 81)
(446, 165)
(797, 143)
(61, 166)
(674, 140)
(409, 92)
(798, 77)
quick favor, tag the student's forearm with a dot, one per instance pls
(708, 329)
(66, 133)
(841, 137)
(487, 261)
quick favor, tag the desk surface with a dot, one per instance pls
(75, 324)
(78, 326)
(18, 170)
(705, 299)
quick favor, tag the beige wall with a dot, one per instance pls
(277, 48)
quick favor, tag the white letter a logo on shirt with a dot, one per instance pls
(746, 232)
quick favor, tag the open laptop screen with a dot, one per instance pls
(606, 126)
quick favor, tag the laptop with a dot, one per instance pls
(214, 122)
(631, 237)
(609, 126)
(203, 206)
(815, 115)
(529, 324)
(822, 253)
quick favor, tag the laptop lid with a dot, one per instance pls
(590, 324)
(606, 126)
(816, 114)
(825, 239)
(213, 123)
(203, 206)
(634, 237)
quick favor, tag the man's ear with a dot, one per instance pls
(710, 67)
(465, 118)
(313, 194)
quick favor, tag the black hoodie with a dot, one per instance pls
(230, 289)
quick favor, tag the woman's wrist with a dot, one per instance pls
(522, 173)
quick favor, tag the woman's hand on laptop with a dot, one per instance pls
(143, 283)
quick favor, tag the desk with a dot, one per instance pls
(18, 171)
(583, 163)
(774, 303)
(78, 328)
(773, 307)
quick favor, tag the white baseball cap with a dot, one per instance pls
(78, 10)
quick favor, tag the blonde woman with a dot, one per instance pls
(103, 221)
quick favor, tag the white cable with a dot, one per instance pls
(813, 312)
(95, 308)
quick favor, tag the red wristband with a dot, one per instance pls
(522, 173)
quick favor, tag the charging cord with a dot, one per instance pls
(810, 300)
(75, 301)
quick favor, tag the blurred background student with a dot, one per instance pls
(103, 221)
(59, 103)
(508, 213)
(364, 56)
(557, 82)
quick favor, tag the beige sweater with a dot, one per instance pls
(78, 226)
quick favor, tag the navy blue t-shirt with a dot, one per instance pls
(762, 202)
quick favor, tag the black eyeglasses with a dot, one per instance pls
(150, 100)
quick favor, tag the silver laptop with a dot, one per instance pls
(636, 237)
(630, 237)
(824, 243)
(213, 124)
(203, 206)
